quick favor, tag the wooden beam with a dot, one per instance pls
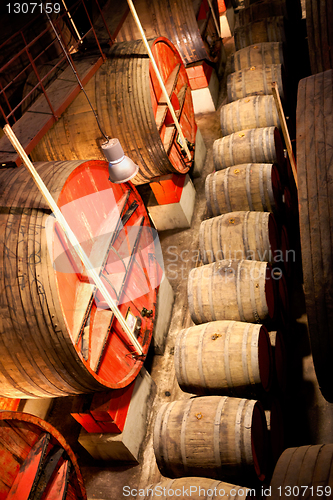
(285, 131)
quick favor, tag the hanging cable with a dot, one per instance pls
(74, 71)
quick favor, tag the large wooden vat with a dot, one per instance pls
(258, 145)
(199, 488)
(253, 186)
(130, 106)
(211, 436)
(57, 335)
(174, 20)
(248, 113)
(224, 357)
(304, 469)
(270, 29)
(260, 54)
(256, 80)
(239, 235)
(246, 287)
(30, 449)
(315, 195)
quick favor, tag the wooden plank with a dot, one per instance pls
(284, 128)
(33, 125)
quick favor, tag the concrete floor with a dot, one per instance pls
(307, 416)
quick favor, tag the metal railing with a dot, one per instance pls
(23, 62)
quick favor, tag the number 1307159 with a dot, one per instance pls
(31, 7)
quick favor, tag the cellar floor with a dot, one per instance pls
(308, 417)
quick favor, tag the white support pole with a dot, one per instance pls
(71, 236)
(214, 18)
(172, 111)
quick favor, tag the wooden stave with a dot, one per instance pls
(246, 408)
(72, 369)
(239, 234)
(78, 384)
(241, 300)
(260, 110)
(230, 373)
(18, 304)
(325, 47)
(36, 246)
(214, 182)
(149, 153)
(260, 145)
(314, 139)
(264, 30)
(265, 53)
(231, 491)
(316, 33)
(310, 37)
(168, 20)
(243, 84)
(303, 466)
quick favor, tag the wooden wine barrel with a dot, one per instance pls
(290, 9)
(58, 336)
(211, 436)
(270, 29)
(247, 289)
(248, 113)
(174, 20)
(256, 80)
(244, 187)
(224, 358)
(257, 145)
(304, 469)
(280, 360)
(239, 235)
(274, 419)
(260, 54)
(130, 106)
(315, 193)
(199, 488)
(30, 450)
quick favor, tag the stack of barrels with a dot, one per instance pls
(234, 357)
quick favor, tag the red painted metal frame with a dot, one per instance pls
(19, 433)
(108, 411)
